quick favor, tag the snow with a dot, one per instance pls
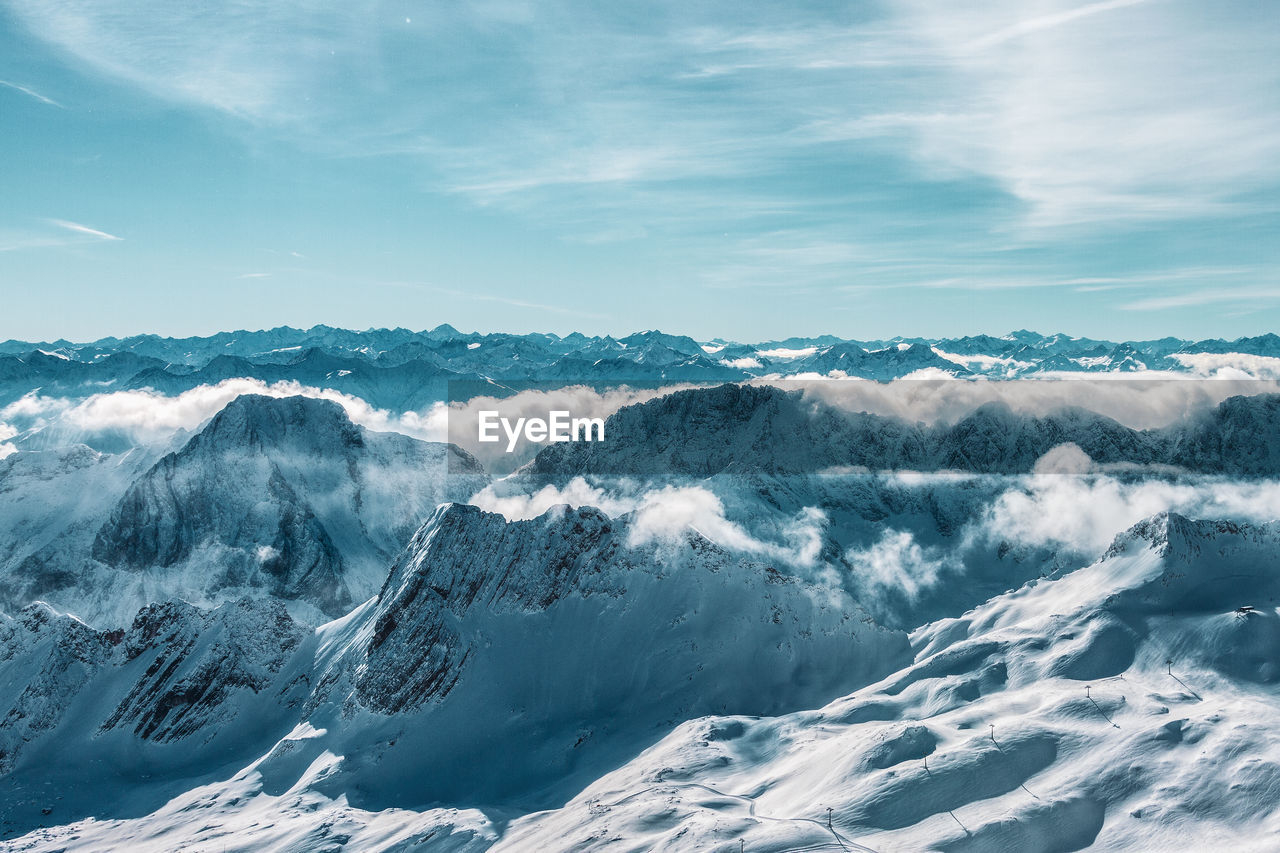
(785, 353)
(1045, 719)
(240, 814)
(743, 638)
(1123, 705)
(985, 362)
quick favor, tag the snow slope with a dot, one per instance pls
(553, 649)
(1126, 705)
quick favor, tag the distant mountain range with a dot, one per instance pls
(402, 370)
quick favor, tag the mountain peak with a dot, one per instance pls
(256, 419)
(1175, 536)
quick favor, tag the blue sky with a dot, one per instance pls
(747, 170)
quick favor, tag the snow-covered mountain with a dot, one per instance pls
(1129, 704)
(274, 496)
(551, 648)
(400, 370)
(249, 608)
(752, 428)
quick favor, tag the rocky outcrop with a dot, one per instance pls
(286, 496)
(760, 429)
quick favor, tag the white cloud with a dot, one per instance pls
(576, 493)
(1104, 111)
(1230, 365)
(77, 228)
(607, 125)
(150, 416)
(897, 562)
(31, 93)
(1086, 513)
(1246, 295)
(1143, 402)
(667, 514)
(1049, 21)
(62, 233)
(7, 432)
(1064, 459)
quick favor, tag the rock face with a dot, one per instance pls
(281, 495)
(465, 560)
(193, 663)
(761, 429)
(178, 673)
(578, 583)
(567, 625)
(46, 659)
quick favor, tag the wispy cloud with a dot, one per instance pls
(1108, 112)
(886, 146)
(1250, 294)
(1115, 110)
(1045, 22)
(513, 302)
(31, 93)
(77, 228)
(53, 234)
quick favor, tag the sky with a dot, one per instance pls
(720, 169)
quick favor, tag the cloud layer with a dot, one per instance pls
(665, 514)
(148, 416)
(1141, 401)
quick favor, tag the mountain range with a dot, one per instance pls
(401, 370)
(756, 618)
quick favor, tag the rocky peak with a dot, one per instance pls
(254, 420)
